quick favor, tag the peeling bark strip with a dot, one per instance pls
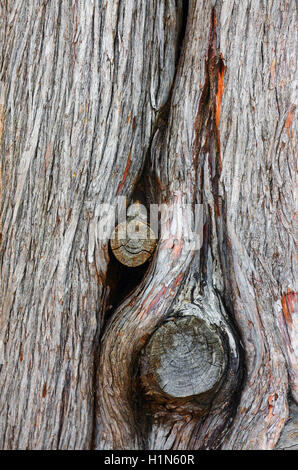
(97, 97)
(206, 124)
(288, 305)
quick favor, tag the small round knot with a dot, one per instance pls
(133, 242)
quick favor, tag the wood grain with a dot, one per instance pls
(133, 242)
(83, 85)
(184, 357)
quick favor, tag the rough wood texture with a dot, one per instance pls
(184, 357)
(75, 77)
(92, 97)
(219, 147)
(289, 436)
(257, 40)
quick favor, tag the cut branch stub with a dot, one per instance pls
(185, 357)
(133, 242)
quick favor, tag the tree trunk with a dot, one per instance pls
(170, 103)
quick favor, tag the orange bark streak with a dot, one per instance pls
(125, 172)
(220, 89)
(178, 280)
(177, 250)
(289, 120)
(156, 299)
(44, 390)
(219, 93)
(288, 302)
(270, 406)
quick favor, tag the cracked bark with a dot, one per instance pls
(96, 97)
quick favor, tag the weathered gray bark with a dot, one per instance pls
(289, 436)
(96, 97)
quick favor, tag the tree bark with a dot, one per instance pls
(172, 102)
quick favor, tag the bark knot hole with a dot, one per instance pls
(184, 357)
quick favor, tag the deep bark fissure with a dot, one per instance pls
(176, 413)
(122, 280)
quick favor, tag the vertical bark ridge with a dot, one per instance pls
(257, 41)
(77, 81)
(231, 261)
(176, 154)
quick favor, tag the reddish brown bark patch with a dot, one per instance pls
(125, 172)
(289, 119)
(288, 302)
(44, 390)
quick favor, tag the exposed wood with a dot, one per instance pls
(133, 242)
(184, 357)
(198, 421)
